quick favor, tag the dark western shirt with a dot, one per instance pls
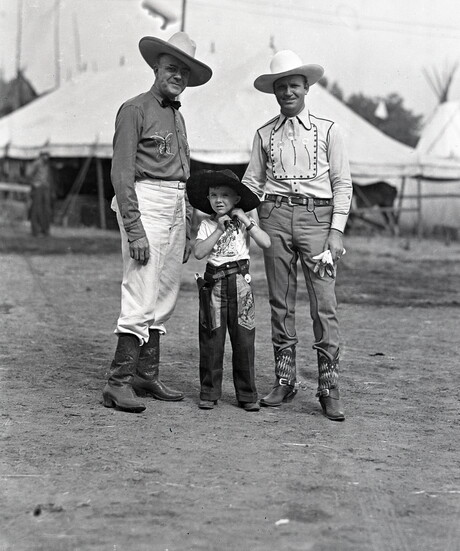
(150, 142)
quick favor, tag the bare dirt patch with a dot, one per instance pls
(78, 476)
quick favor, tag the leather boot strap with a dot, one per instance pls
(283, 381)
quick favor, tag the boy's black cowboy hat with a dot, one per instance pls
(198, 189)
(181, 46)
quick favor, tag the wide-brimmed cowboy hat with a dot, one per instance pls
(198, 189)
(283, 64)
(181, 46)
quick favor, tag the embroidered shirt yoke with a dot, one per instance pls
(302, 156)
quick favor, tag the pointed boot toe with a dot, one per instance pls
(331, 404)
(280, 394)
(207, 404)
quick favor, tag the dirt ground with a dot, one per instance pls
(78, 476)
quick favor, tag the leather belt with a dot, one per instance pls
(295, 200)
(224, 270)
(174, 184)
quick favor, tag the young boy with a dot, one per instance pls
(226, 299)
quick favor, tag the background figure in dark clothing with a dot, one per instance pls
(40, 212)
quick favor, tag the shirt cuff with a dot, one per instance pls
(136, 231)
(339, 221)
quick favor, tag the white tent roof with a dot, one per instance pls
(78, 120)
(438, 149)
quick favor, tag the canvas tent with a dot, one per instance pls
(438, 149)
(77, 120)
(436, 188)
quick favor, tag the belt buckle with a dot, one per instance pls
(283, 381)
(289, 201)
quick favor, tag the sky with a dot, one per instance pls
(374, 47)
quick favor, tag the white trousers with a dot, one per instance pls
(149, 293)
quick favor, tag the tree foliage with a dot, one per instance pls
(401, 123)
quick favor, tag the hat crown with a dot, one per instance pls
(229, 173)
(283, 61)
(182, 41)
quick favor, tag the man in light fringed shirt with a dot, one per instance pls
(300, 170)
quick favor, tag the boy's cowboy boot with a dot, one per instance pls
(146, 379)
(118, 391)
(328, 388)
(285, 387)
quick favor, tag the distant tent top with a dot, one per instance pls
(438, 149)
(15, 94)
(440, 140)
(77, 120)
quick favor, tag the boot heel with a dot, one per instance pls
(289, 397)
(108, 402)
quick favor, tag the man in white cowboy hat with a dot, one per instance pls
(150, 165)
(299, 167)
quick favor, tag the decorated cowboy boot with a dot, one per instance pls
(146, 379)
(328, 387)
(285, 387)
(118, 392)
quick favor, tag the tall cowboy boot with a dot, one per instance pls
(118, 391)
(285, 387)
(328, 387)
(146, 379)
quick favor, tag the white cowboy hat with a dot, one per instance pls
(181, 46)
(283, 64)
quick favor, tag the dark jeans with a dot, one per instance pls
(40, 210)
(232, 308)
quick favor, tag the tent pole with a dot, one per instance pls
(182, 24)
(17, 92)
(74, 191)
(100, 193)
(400, 199)
(419, 208)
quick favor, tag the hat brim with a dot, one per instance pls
(198, 190)
(312, 73)
(151, 48)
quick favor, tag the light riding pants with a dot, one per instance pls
(149, 293)
(298, 233)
